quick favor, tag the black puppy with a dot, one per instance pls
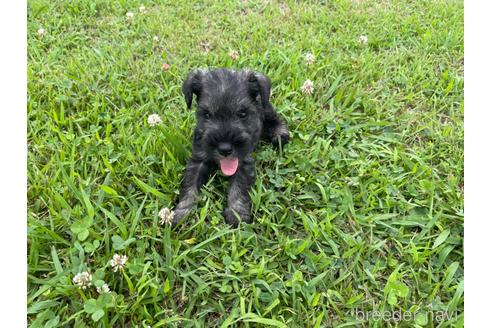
(233, 113)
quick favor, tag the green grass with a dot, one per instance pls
(362, 210)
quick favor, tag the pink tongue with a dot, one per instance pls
(229, 165)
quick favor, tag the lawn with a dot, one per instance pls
(362, 211)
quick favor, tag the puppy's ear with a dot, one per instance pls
(259, 84)
(192, 85)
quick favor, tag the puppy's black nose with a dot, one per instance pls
(225, 148)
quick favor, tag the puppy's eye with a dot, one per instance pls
(243, 113)
(206, 114)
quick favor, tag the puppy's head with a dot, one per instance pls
(229, 113)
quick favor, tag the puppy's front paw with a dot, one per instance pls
(280, 136)
(179, 214)
(232, 217)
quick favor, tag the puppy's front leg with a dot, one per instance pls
(196, 174)
(238, 200)
(274, 128)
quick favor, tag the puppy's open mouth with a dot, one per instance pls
(229, 165)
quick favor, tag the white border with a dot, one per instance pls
(13, 242)
(478, 148)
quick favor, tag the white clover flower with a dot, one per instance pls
(118, 262)
(234, 54)
(103, 289)
(83, 279)
(129, 15)
(154, 119)
(155, 38)
(310, 58)
(363, 39)
(205, 46)
(308, 87)
(142, 9)
(166, 216)
(41, 32)
(165, 66)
